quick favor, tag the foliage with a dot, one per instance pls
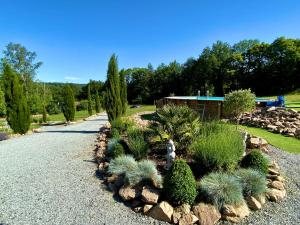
(219, 147)
(2, 103)
(44, 117)
(115, 133)
(123, 92)
(179, 123)
(136, 143)
(68, 106)
(117, 151)
(113, 104)
(53, 108)
(135, 172)
(238, 102)
(253, 182)
(82, 105)
(221, 188)
(90, 109)
(255, 160)
(97, 102)
(17, 110)
(122, 124)
(179, 184)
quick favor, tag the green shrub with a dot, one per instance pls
(179, 184)
(255, 160)
(114, 133)
(68, 106)
(136, 143)
(135, 172)
(220, 189)
(118, 150)
(218, 148)
(122, 124)
(179, 123)
(253, 182)
(82, 105)
(53, 108)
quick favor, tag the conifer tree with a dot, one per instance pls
(68, 105)
(113, 103)
(44, 114)
(97, 102)
(123, 92)
(17, 109)
(90, 109)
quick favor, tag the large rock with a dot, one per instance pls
(163, 211)
(235, 213)
(253, 203)
(277, 185)
(150, 195)
(188, 219)
(183, 209)
(254, 142)
(261, 198)
(147, 208)
(129, 193)
(207, 214)
(273, 172)
(275, 195)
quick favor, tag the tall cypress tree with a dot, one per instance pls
(17, 109)
(68, 106)
(123, 92)
(97, 102)
(113, 103)
(90, 109)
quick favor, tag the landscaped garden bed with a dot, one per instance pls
(181, 171)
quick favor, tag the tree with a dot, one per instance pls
(17, 110)
(2, 103)
(238, 102)
(90, 108)
(123, 91)
(68, 105)
(97, 102)
(113, 104)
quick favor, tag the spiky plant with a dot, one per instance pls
(179, 123)
(220, 189)
(149, 172)
(136, 143)
(253, 182)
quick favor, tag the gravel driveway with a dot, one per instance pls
(49, 178)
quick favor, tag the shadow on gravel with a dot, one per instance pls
(73, 131)
(97, 120)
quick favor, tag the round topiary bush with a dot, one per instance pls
(255, 160)
(220, 189)
(179, 185)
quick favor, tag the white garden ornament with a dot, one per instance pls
(170, 154)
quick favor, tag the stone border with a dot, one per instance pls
(146, 199)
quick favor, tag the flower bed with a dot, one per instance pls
(211, 179)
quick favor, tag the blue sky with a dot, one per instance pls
(75, 39)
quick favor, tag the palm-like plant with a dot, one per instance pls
(179, 123)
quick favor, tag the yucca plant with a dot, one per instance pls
(179, 123)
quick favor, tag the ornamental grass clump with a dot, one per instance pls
(179, 184)
(253, 182)
(115, 148)
(220, 189)
(137, 145)
(122, 124)
(255, 160)
(135, 172)
(220, 147)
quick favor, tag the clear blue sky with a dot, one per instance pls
(75, 38)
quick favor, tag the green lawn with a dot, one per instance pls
(292, 100)
(60, 117)
(288, 144)
(142, 108)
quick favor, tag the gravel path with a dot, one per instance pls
(49, 178)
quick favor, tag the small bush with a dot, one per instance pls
(115, 148)
(220, 147)
(179, 184)
(122, 124)
(255, 160)
(220, 189)
(253, 182)
(136, 143)
(114, 133)
(135, 172)
(118, 151)
(82, 105)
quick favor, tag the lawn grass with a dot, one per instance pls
(142, 108)
(292, 100)
(79, 115)
(289, 144)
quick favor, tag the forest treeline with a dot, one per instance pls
(267, 69)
